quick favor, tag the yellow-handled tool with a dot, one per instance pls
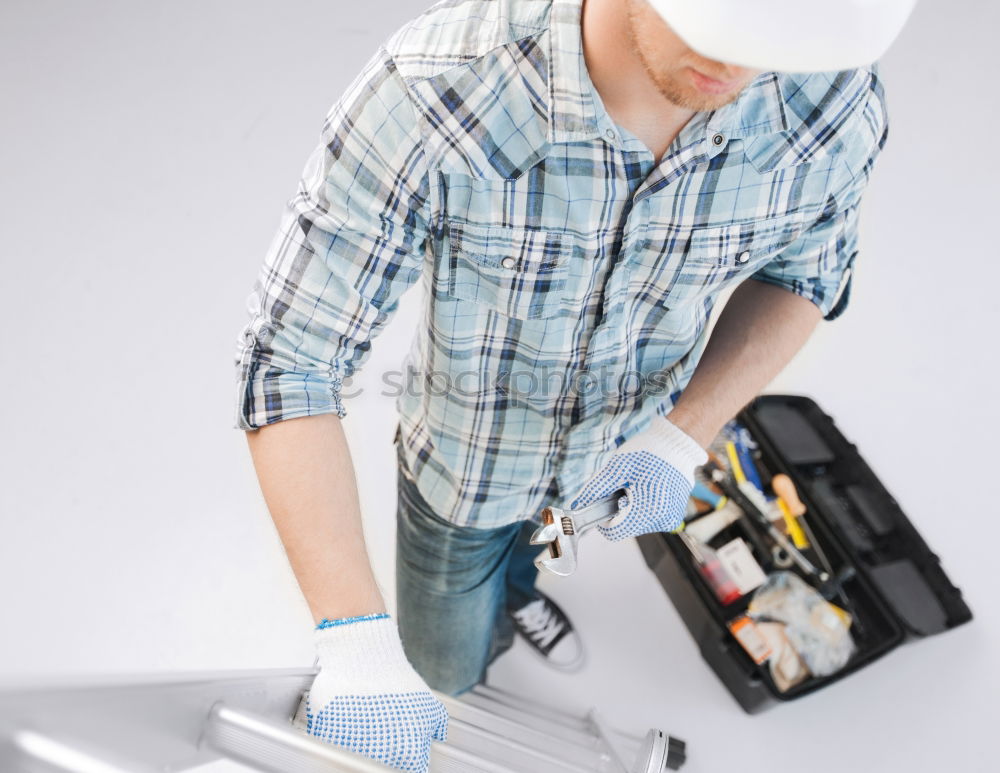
(791, 508)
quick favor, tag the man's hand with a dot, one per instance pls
(656, 468)
(369, 699)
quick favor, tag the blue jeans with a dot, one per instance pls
(453, 587)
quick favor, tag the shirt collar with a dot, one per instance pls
(759, 109)
(575, 112)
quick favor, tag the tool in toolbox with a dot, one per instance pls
(711, 569)
(561, 530)
(791, 508)
(748, 500)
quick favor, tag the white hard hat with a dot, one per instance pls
(788, 35)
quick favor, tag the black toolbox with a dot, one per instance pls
(898, 589)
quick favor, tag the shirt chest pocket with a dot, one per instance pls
(717, 257)
(517, 272)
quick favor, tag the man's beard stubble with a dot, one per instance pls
(668, 87)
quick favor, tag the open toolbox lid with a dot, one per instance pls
(799, 439)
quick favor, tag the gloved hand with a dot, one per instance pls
(368, 698)
(656, 468)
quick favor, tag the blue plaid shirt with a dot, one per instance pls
(568, 273)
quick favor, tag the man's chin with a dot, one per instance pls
(693, 99)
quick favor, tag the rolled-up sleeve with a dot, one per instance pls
(819, 264)
(350, 241)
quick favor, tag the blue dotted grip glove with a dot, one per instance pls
(368, 698)
(656, 468)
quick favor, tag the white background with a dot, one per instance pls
(147, 150)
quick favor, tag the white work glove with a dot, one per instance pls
(656, 469)
(368, 698)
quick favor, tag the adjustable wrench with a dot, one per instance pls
(562, 529)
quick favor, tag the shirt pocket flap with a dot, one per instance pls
(720, 256)
(736, 244)
(517, 272)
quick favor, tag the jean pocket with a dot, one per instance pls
(517, 272)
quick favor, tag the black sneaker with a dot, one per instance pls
(543, 624)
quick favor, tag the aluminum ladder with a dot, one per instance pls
(256, 718)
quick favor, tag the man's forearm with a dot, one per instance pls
(307, 478)
(759, 331)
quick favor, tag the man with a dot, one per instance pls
(574, 184)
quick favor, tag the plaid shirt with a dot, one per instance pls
(568, 274)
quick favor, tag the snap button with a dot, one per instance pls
(718, 139)
(610, 133)
(508, 262)
(743, 257)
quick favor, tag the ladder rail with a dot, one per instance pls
(33, 752)
(260, 743)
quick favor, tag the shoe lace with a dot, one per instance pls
(539, 621)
